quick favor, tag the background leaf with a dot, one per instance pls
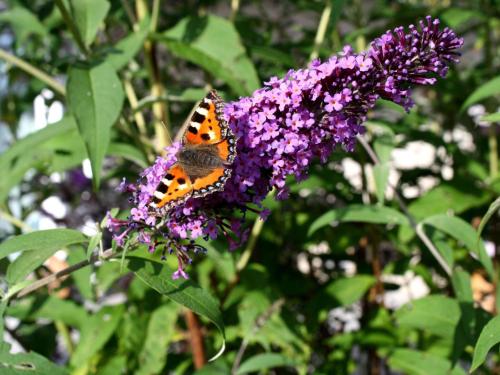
(488, 338)
(89, 15)
(264, 361)
(184, 292)
(359, 213)
(95, 96)
(214, 44)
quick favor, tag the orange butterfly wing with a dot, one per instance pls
(173, 189)
(207, 125)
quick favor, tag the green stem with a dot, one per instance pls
(235, 6)
(15, 221)
(72, 27)
(63, 330)
(35, 72)
(160, 109)
(252, 241)
(493, 150)
(321, 32)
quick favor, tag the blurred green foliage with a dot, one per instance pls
(336, 281)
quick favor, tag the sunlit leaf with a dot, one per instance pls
(53, 239)
(359, 213)
(214, 44)
(95, 97)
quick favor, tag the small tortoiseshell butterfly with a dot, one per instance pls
(203, 162)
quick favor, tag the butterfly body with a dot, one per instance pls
(204, 161)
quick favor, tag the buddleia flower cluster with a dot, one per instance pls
(282, 128)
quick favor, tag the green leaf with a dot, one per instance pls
(88, 16)
(95, 96)
(381, 175)
(93, 243)
(348, 290)
(28, 363)
(463, 232)
(458, 197)
(23, 23)
(128, 152)
(159, 334)
(54, 239)
(115, 365)
(27, 153)
(185, 292)
(492, 117)
(264, 361)
(214, 44)
(125, 50)
(493, 208)
(27, 262)
(412, 362)
(66, 311)
(82, 278)
(486, 90)
(487, 339)
(359, 213)
(96, 331)
(436, 314)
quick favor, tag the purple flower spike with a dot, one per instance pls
(291, 121)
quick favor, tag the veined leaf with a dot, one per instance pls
(89, 15)
(487, 339)
(359, 213)
(95, 97)
(185, 292)
(214, 44)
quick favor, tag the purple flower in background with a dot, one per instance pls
(288, 123)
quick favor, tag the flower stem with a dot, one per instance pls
(493, 150)
(62, 329)
(321, 32)
(35, 72)
(252, 241)
(107, 254)
(235, 6)
(418, 228)
(72, 27)
(160, 109)
(15, 221)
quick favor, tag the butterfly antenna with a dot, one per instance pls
(170, 140)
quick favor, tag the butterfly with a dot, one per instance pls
(204, 160)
